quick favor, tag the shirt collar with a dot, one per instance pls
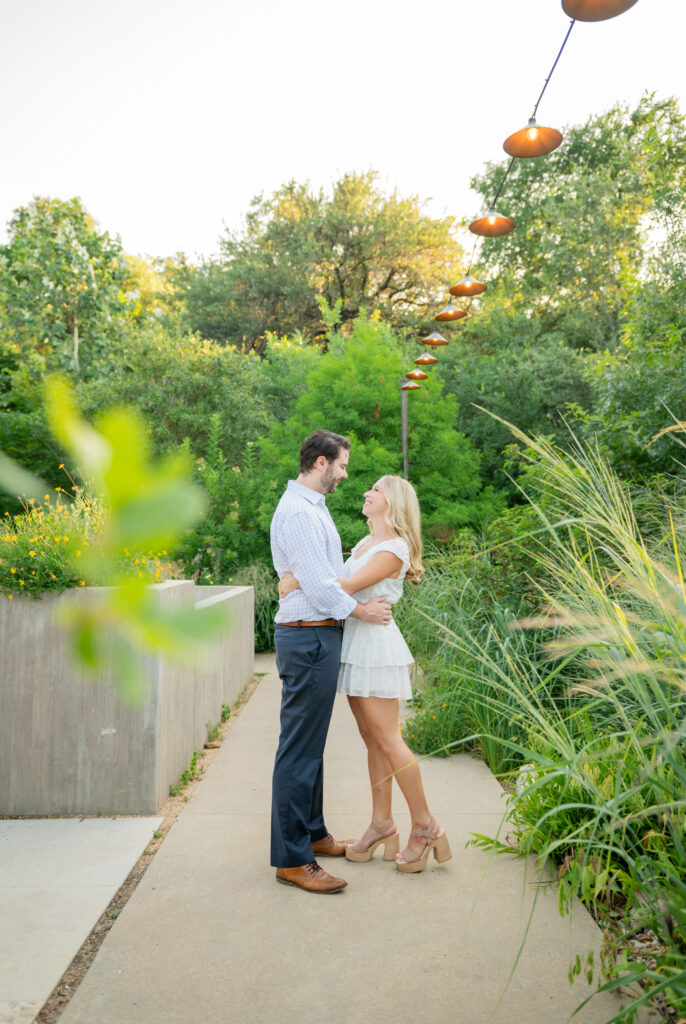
(306, 492)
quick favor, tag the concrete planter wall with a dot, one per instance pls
(67, 743)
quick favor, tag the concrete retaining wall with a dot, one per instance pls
(67, 743)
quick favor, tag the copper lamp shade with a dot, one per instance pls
(595, 10)
(410, 386)
(425, 359)
(468, 286)
(492, 225)
(416, 375)
(450, 313)
(435, 339)
(534, 140)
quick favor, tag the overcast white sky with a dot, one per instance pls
(167, 116)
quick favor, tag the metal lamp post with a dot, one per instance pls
(405, 386)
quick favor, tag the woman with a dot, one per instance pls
(374, 674)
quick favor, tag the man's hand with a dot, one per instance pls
(287, 584)
(377, 611)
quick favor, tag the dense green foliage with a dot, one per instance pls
(567, 673)
(354, 391)
(356, 247)
(43, 548)
(583, 218)
(64, 283)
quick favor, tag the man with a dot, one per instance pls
(308, 634)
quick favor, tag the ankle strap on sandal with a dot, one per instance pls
(427, 832)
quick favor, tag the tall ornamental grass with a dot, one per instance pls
(579, 701)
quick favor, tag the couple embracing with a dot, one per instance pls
(334, 632)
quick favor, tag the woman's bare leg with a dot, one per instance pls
(380, 778)
(380, 717)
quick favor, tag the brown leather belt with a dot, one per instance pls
(339, 623)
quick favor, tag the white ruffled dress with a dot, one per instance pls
(375, 659)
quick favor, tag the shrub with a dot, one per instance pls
(40, 549)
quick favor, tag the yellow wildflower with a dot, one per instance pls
(13, 571)
(61, 465)
(82, 583)
(78, 554)
(32, 554)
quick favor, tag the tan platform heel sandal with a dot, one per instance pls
(434, 840)
(390, 840)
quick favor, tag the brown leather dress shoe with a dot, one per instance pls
(311, 878)
(329, 847)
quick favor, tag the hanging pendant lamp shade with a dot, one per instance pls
(450, 313)
(410, 386)
(468, 286)
(595, 10)
(425, 359)
(416, 375)
(534, 140)
(492, 224)
(434, 339)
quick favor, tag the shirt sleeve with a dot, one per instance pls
(309, 563)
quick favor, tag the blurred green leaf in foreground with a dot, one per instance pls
(148, 506)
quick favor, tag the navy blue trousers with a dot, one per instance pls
(307, 659)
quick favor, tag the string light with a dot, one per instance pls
(426, 359)
(434, 339)
(492, 224)
(595, 10)
(531, 141)
(450, 313)
(468, 287)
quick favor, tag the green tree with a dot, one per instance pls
(638, 388)
(178, 384)
(356, 246)
(583, 219)
(354, 390)
(285, 369)
(24, 432)
(531, 385)
(63, 282)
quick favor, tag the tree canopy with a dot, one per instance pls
(63, 282)
(584, 216)
(356, 248)
(353, 390)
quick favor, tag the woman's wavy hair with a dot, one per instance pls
(403, 517)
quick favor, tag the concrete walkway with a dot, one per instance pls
(56, 878)
(208, 935)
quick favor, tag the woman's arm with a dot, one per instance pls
(383, 566)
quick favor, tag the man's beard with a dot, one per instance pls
(329, 481)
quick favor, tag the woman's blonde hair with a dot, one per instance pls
(403, 518)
